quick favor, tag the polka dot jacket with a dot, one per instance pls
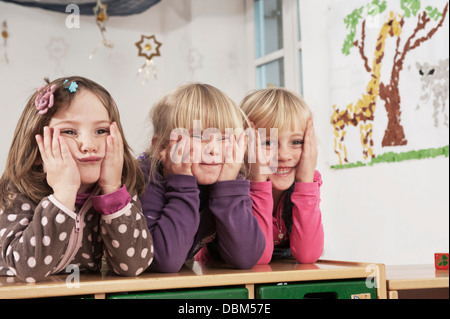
(40, 240)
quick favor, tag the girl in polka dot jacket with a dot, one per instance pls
(69, 193)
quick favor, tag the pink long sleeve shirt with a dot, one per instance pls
(307, 237)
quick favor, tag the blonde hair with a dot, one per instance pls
(24, 176)
(207, 105)
(275, 108)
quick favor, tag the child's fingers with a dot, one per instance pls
(110, 141)
(109, 147)
(229, 158)
(117, 138)
(310, 129)
(162, 156)
(229, 154)
(186, 150)
(177, 150)
(242, 140)
(65, 153)
(40, 143)
(48, 141)
(56, 148)
(174, 136)
(310, 136)
(167, 150)
(242, 144)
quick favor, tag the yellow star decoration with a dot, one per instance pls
(5, 36)
(5, 31)
(100, 11)
(148, 47)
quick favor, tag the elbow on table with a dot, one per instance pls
(168, 265)
(248, 260)
(244, 263)
(305, 256)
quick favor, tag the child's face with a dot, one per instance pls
(288, 150)
(85, 127)
(207, 167)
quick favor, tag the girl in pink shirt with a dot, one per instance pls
(285, 187)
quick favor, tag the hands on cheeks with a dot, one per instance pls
(174, 157)
(261, 171)
(62, 171)
(63, 174)
(111, 174)
(234, 156)
(308, 160)
(178, 156)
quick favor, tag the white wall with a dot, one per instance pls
(391, 213)
(212, 31)
(396, 213)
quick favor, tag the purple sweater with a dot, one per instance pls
(183, 217)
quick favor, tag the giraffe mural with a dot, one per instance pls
(419, 32)
(362, 113)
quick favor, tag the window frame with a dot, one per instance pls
(292, 45)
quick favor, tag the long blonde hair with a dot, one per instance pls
(207, 105)
(275, 108)
(23, 175)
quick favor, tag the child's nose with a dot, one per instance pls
(284, 154)
(87, 144)
(211, 152)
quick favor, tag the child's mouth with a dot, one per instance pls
(284, 171)
(90, 159)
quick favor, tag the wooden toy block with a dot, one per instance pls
(441, 261)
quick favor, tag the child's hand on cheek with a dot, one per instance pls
(259, 170)
(234, 156)
(111, 173)
(63, 175)
(308, 159)
(176, 158)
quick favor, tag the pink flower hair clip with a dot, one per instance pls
(44, 99)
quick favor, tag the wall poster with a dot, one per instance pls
(389, 81)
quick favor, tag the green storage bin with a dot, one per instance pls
(220, 293)
(348, 289)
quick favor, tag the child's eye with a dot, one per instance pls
(298, 142)
(68, 132)
(269, 143)
(102, 131)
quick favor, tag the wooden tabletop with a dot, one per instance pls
(192, 275)
(402, 277)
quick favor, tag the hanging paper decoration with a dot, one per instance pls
(194, 60)
(5, 38)
(148, 48)
(57, 48)
(101, 16)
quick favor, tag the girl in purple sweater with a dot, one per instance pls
(195, 195)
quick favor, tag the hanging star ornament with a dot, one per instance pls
(57, 48)
(194, 60)
(101, 16)
(148, 47)
(100, 11)
(5, 36)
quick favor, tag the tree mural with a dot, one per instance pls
(424, 23)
